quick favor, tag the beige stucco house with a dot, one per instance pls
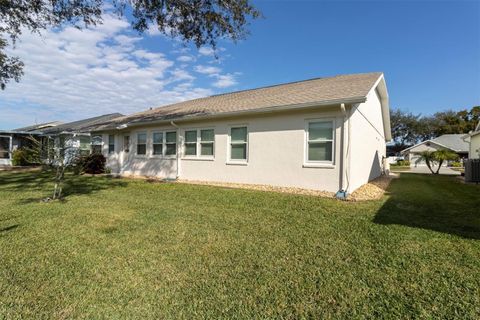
(323, 134)
(473, 140)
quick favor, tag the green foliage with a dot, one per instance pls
(130, 249)
(27, 155)
(93, 163)
(20, 158)
(405, 163)
(200, 22)
(456, 164)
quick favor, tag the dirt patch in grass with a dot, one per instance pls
(373, 190)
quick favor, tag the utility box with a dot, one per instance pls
(472, 170)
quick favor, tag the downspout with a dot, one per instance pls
(178, 150)
(343, 192)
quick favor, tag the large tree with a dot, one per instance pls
(202, 22)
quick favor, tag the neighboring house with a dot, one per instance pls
(74, 137)
(10, 140)
(324, 134)
(473, 140)
(451, 142)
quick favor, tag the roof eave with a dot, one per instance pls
(239, 113)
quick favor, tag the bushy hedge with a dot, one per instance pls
(25, 157)
(403, 163)
(456, 164)
(93, 163)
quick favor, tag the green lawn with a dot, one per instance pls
(124, 249)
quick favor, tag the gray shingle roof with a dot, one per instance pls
(37, 127)
(453, 141)
(84, 125)
(336, 89)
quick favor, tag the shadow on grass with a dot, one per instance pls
(6, 229)
(433, 202)
(44, 182)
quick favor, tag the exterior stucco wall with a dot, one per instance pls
(276, 153)
(367, 142)
(474, 152)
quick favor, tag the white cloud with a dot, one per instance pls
(207, 69)
(225, 80)
(206, 51)
(81, 73)
(185, 58)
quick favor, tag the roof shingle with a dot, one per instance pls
(320, 90)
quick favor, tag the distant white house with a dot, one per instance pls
(451, 142)
(324, 134)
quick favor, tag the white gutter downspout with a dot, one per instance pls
(343, 192)
(178, 149)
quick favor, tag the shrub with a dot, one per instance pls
(456, 164)
(20, 158)
(25, 156)
(93, 163)
(403, 163)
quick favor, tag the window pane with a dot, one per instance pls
(171, 137)
(239, 134)
(111, 139)
(191, 149)
(320, 151)
(239, 152)
(191, 136)
(206, 149)
(142, 138)
(141, 149)
(126, 143)
(84, 143)
(157, 149)
(320, 130)
(171, 149)
(207, 135)
(157, 137)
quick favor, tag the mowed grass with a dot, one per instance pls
(130, 249)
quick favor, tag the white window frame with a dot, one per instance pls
(9, 151)
(198, 155)
(136, 144)
(92, 143)
(231, 161)
(319, 163)
(110, 144)
(164, 144)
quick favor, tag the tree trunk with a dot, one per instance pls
(429, 165)
(439, 166)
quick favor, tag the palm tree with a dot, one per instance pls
(444, 155)
(433, 158)
(429, 158)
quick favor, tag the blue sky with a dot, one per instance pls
(429, 52)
